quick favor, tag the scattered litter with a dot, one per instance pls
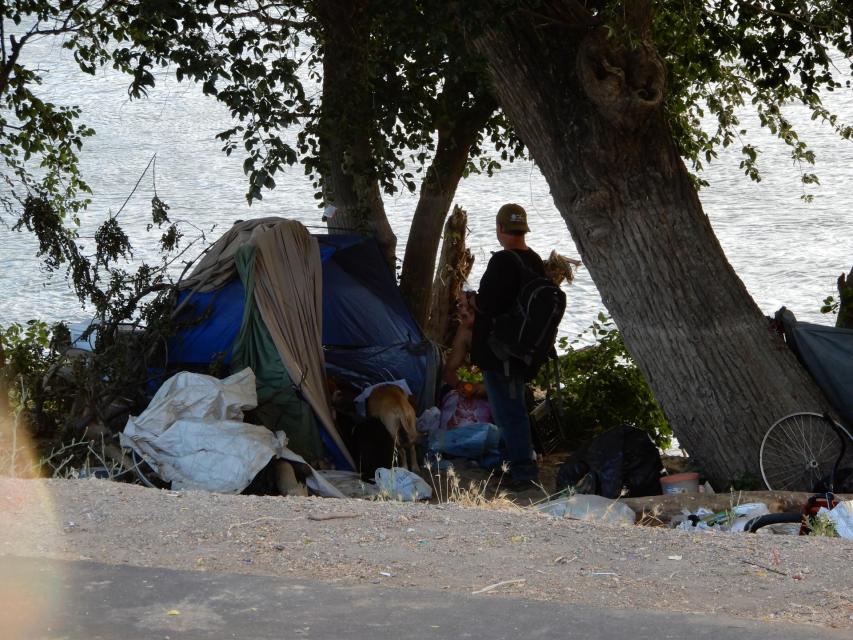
(491, 587)
(589, 507)
(674, 557)
(733, 520)
(173, 612)
(349, 483)
(604, 573)
(402, 484)
(99, 473)
(745, 513)
(386, 574)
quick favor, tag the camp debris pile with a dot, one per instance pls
(283, 312)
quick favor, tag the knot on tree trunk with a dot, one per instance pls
(625, 84)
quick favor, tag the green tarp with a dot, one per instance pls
(279, 407)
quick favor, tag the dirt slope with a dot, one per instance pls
(442, 547)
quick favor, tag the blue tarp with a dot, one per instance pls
(213, 320)
(368, 333)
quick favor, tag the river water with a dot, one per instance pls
(786, 251)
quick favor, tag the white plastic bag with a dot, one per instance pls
(402, 484)
(842, 517)
(746, 512)
(590, 507)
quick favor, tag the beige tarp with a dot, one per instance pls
(289, 295)
(216, 266)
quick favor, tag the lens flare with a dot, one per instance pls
(30, 592)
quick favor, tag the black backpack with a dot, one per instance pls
(523, 338)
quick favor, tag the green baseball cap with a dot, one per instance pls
(513, 217)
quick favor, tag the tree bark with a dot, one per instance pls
(845, 301)
(5, 408)
(346, 126)
(454, 268)
(437, 192)
(590, 113)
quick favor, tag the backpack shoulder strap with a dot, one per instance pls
(520, 262)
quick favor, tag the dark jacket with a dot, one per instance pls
(499, 287)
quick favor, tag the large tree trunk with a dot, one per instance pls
(437, 191)
(346, 126)
(591, 115)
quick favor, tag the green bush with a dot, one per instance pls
(601, 387)
(26, 359)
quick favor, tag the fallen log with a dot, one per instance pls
(665, 507)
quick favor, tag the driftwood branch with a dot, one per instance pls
(845, 301)
(560, 269)
(454, 267)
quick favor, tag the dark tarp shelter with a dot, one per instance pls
(368, 335)
(827, 354)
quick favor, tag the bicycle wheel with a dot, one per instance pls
(799, 451)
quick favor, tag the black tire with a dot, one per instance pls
(772, 518)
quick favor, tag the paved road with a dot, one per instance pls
(55, 600)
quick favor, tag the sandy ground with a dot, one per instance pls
(442, 547)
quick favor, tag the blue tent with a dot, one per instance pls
(368, 334)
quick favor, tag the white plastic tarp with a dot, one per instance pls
(193, 435)
(361, 400)
(842, 517)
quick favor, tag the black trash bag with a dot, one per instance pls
(623, 457)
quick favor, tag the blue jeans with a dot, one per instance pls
(506, 397)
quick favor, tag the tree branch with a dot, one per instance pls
(64, 28)
(261, 13)
(569, 13)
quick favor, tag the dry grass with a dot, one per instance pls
(448, 489)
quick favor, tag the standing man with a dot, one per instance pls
(499, 288)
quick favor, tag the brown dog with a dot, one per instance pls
(390, 405)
